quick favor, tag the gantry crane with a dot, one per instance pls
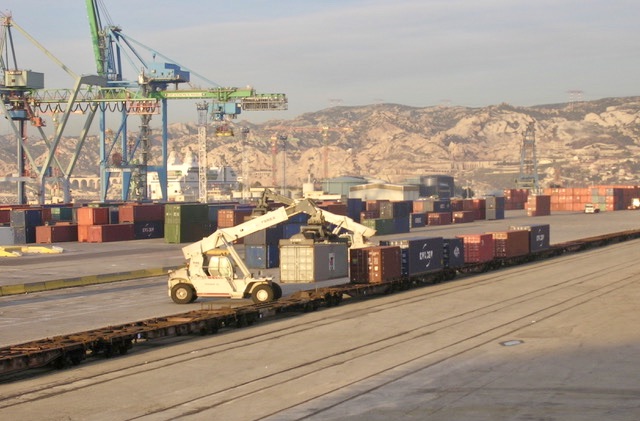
(156, 83)
(23, 99)
(324, 130)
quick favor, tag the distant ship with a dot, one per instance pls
(183, 181)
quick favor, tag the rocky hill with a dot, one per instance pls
(577, 144)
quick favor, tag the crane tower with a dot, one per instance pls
(528, 177)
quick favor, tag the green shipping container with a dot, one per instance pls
(194, 213)
(383, 226)
(185, 233)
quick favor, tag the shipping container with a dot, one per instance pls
(478, 248)
(396, 209)
(382, 226)
(453, 253)
(26, 217)
(110, 232)
(510, 243)
(181, 213)
(214, 209)
(539, 205)
(263, 256)
(431, 205)
(267, 236)
(463, 217)
(418, 220)
(375, 264)
(24, 235)
(7, 237)
(143, 230)
(62, 213)
(354, 207)
(47, 234)
(439, 218)
(228, 218)
(401, 224)
(539, 236)
(419, 255)
(92, 215)
(186, 233)
(290, 229)
(303, 261)
(140, 213)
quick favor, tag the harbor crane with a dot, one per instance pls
(154, 85)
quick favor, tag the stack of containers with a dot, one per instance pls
(62, 213)
(303, 261)
(23, 223)
(399, 211)
(88, 219)
(453, 253)
(478, 248)
(511, 243)
(371, 265)
(495, 206)
(186, 222)
(419, 256)
(147, 219)
(479, 208)
(515, 199)
(539, 205)
(539, 236)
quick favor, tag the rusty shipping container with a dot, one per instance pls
(375, 264)
(478, 248)
(510, 243)
(231, 217)
(47, 234)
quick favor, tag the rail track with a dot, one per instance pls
(66, 350)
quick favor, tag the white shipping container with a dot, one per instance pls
(303, 262)
(7, 237)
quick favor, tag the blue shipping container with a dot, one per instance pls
(418, 220)
(262, 257)
(453, 253)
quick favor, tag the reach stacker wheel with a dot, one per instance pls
(263, 293)
(182, 294)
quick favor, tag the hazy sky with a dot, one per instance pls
(412, 52)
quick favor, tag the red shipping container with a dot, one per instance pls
(478, 248)
(510, 243)
(231, 217)
(463, 217)
(111, 232)
(375, 264)
(47, 234)
(93, 216)
(140, 213)
(439, 218)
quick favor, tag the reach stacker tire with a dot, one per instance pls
(263, 293)
(182, 294)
